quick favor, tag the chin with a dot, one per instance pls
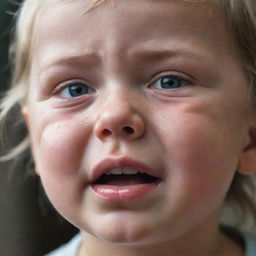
(123, 233)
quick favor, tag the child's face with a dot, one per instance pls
(154, 82)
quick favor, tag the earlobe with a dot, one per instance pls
(247, 161)
(37, 172)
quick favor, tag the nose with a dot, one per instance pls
(118, 119)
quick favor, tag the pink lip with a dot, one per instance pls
(121, 193)
(110, 163)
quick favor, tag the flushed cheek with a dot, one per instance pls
(59, 162)
(198, 178)
(61, 147)
(201, 157)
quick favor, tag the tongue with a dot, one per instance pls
(126, 180)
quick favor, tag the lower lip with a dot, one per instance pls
(123, 193)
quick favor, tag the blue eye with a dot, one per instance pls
(76, 89)
(170, 82)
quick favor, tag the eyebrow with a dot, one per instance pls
(140, 55)
(87, 58)
(152, 54)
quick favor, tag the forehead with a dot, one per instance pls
(72, 27)
(63, 12)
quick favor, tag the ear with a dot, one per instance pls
(25, 114)
(247, 161)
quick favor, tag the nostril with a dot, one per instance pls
(106, 132)
(128, 129)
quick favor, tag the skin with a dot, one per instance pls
(195, 136)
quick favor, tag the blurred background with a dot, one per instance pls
(29, 226)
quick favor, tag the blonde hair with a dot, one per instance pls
(240, 17)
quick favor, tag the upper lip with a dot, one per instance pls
(110, 163)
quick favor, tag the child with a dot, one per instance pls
(141, 117)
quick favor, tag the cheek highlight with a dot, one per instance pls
(61, 148)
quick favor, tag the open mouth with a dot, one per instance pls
(123, 180)
(125, 177)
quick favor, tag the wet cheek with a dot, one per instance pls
(60, 148)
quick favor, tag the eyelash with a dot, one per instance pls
(88, 90)
(68, 85)
(180, 79)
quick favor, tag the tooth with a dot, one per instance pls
(116, 171)
(129, 171)
(126, 171)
